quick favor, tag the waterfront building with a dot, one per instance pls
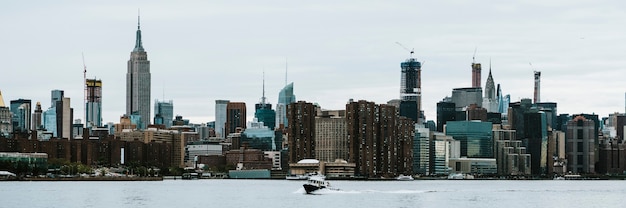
(235, 117)
(220, 118)
(612, 159)
(380, 141)
(421, 150)
(138, 83)
(511, 156)
(301, 131)
(331, 137)
(285, 97)
(410, 90)
(479, 166)
(580, 145)
(164, 113)
(442, 148)
(21, 110)
(6, 125)
(475, 138)
(536, 140)
(93, 107)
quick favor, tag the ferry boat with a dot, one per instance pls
(315, 183)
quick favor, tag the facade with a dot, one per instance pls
(164, 113)
(21, 110)
(410, 89)
(258, 136)
(94, 103)
(285, 97)
(511, 156)
(235, 117)
(463, 97)
(380, 141)
(64, 118)
(138, 83)
(536, 141)
(580, 145)
(421, 150)
(445, 112)
(442, 149)
(220, 118)
(301, 131)
(331, 139)
(480, 166)
(475, 138)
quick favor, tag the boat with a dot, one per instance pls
(300, 177)
(460, 176)
(403, 177)
(317, 182)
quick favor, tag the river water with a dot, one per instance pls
(283, 193)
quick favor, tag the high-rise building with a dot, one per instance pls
(94, 103)
(56, 95)
(164, 113)
(138, 83)
(285, 97)
(64, 118)
(380, 141)
(331, 138)
(476, 76)
(580, 145)
(37, 116)
(263, 111)
(6, 126)
(410, 90)
(535, 139)
(463, 97)
(235, 117)
(446, 111)
(537, 95)
(475, 137)
(442, 149)
(21, 110)
(421, 150)
(490, 100)
(301, 131)
(220, 118)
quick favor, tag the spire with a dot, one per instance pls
(263, 98)
(138, 45)
(1, 100)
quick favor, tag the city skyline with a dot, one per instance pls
(332, 52)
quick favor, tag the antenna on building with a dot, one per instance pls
(85, 90)
(263, 98)
(474, 56)
(411, 51)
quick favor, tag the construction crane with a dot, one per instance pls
(407, 49)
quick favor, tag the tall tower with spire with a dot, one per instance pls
(490, 101)
(263, 110)
(138, 82)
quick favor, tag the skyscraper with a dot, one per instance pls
(490, 100)
(163, 113)
(263, 111)
(220, 118)
(301, 136)
(36, 121)
(410, 89)
(94, 103)
(21, 110)
(476, 75)
(235, 117)
(285, 97)
(580, 145)
(138, 83)
(537, 97)
(6, 127)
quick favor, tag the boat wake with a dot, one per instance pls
(339, 191)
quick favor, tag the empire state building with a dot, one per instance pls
(138, 83)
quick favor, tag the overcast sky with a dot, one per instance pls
(201, 51)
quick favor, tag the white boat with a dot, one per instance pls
(296, 177)
(460, 176)
(317, 182)
(403, 177)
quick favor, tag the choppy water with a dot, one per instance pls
(283, 193)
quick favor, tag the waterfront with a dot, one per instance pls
(283, 193)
